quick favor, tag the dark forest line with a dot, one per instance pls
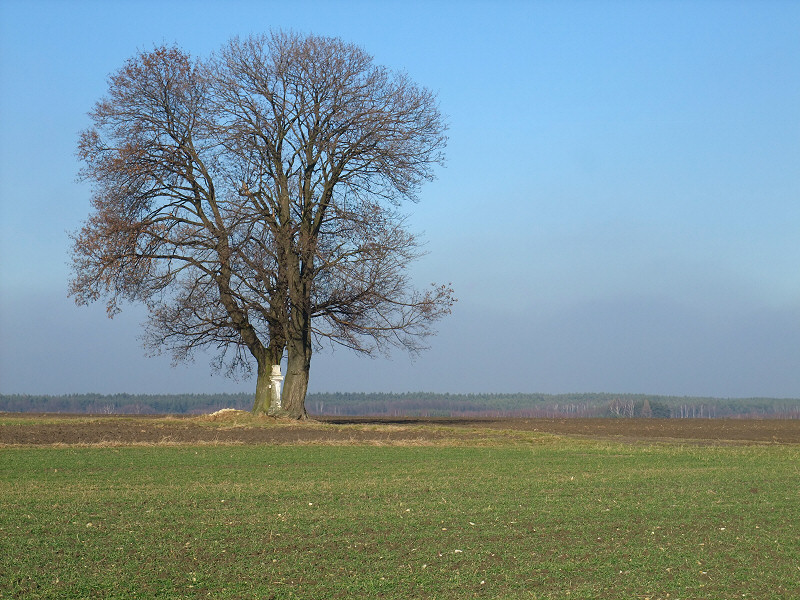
(423, 404)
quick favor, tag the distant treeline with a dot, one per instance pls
(425, 405)
(550, 405)
(133, 404)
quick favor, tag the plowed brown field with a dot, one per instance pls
(27, 429)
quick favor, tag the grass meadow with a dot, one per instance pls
(542, 517)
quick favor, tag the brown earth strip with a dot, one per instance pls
(241, 428)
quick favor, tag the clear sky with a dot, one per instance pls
(620, 210)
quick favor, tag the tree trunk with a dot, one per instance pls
(263, 388)
(298, 332)
(296, 384)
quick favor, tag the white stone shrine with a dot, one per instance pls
(275, 388)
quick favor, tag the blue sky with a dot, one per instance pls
(620, 210)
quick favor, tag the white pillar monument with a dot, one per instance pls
(275, 387)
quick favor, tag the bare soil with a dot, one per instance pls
(241, 428)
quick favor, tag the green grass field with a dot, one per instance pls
(550, 518)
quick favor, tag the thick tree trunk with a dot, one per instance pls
(296, 384)
(263, 388)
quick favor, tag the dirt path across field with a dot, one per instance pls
(239, 427)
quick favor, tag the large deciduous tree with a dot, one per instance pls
(250, 201)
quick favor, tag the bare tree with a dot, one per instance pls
(250, 203)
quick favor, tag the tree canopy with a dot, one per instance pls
(251, 201)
